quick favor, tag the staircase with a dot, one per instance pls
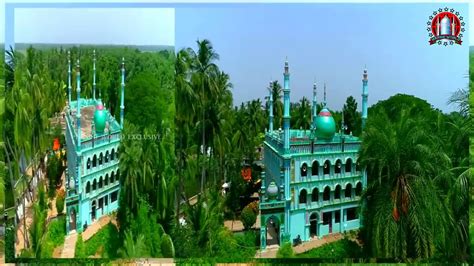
(69, 245)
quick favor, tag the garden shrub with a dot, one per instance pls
(285, 251)
(167, 247)
(248, 217)
(9, 244)
(60, 201)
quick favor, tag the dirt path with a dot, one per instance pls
(69, 248)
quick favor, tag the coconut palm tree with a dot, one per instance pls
(303, 114)
(407, 217)
(277, 91)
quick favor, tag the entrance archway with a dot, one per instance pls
(273, 231)
(313, 225)
(93, 209)
(72, 219)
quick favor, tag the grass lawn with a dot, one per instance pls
(104, 243)
(343, 248)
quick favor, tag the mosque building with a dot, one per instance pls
(92, 142)
(311, 184)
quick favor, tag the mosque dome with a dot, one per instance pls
(325, 125)
(272, 190)
(100, 117)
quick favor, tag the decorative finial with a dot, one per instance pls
(286, 66)
(78, 65)
(123, 62)
(365, 75)
(324, 99)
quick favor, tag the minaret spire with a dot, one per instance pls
(122, 105)
(315, 106)
(93, 77)
(78, 112)
(69, 78)
(324, 99)
(270, 107)
(365, 95)
(286, 107)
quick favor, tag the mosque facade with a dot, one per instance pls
(311, 184)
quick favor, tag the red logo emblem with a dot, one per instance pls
(445, 27)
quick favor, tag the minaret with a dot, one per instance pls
(286, 146)
(286, 107)
(78, 112)
(315, 107)
(69, 78)
(93, 77)
(122, 106)
(324, 97)
(271, 108)
(365, 95)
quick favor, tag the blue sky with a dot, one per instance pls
(329, 43)
(131, 26)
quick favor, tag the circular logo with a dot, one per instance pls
(445, 27)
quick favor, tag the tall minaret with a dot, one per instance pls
(93, 77)
(69, 78)
(365, 95)
(315, 107)
(286, 146)
(78, 112)
(271, 108)
(122, 105)
(286, 107)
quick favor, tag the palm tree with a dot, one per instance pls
(276, 89)
(303, 114)
(130, 166)
(133, 247)
(407, 217)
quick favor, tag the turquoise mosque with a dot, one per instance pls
(92, 142)
(311, 184)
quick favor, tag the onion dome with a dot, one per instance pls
(272, 190)
(100, 117)
(445, 26)
(325, 125)
(72, 183)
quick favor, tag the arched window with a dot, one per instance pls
(94, 161)
(315, 195)
(358, 189)
(315, 168)
(338, 166)
(101, 158)
(112, 155)
(117, 153)
(348, 192)
(349, 165)
(101, 182)
(357, 167)
(303, 195)
(337, 192)
(106, 156)
(326, 167)
(88, 187)
(304, 170)
(117, 177)
(94, 185)
(106, 180)
(89, 163)
(326, 193)
(112, 177)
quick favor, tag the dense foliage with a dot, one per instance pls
(416, 159)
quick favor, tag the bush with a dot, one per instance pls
(167, 247)
(79, 251)
(343, 248)
(60, 201)
(188, 247)
(248, 217)
(285, 251)
(9, 244)
(54, 237)
(42, 196)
